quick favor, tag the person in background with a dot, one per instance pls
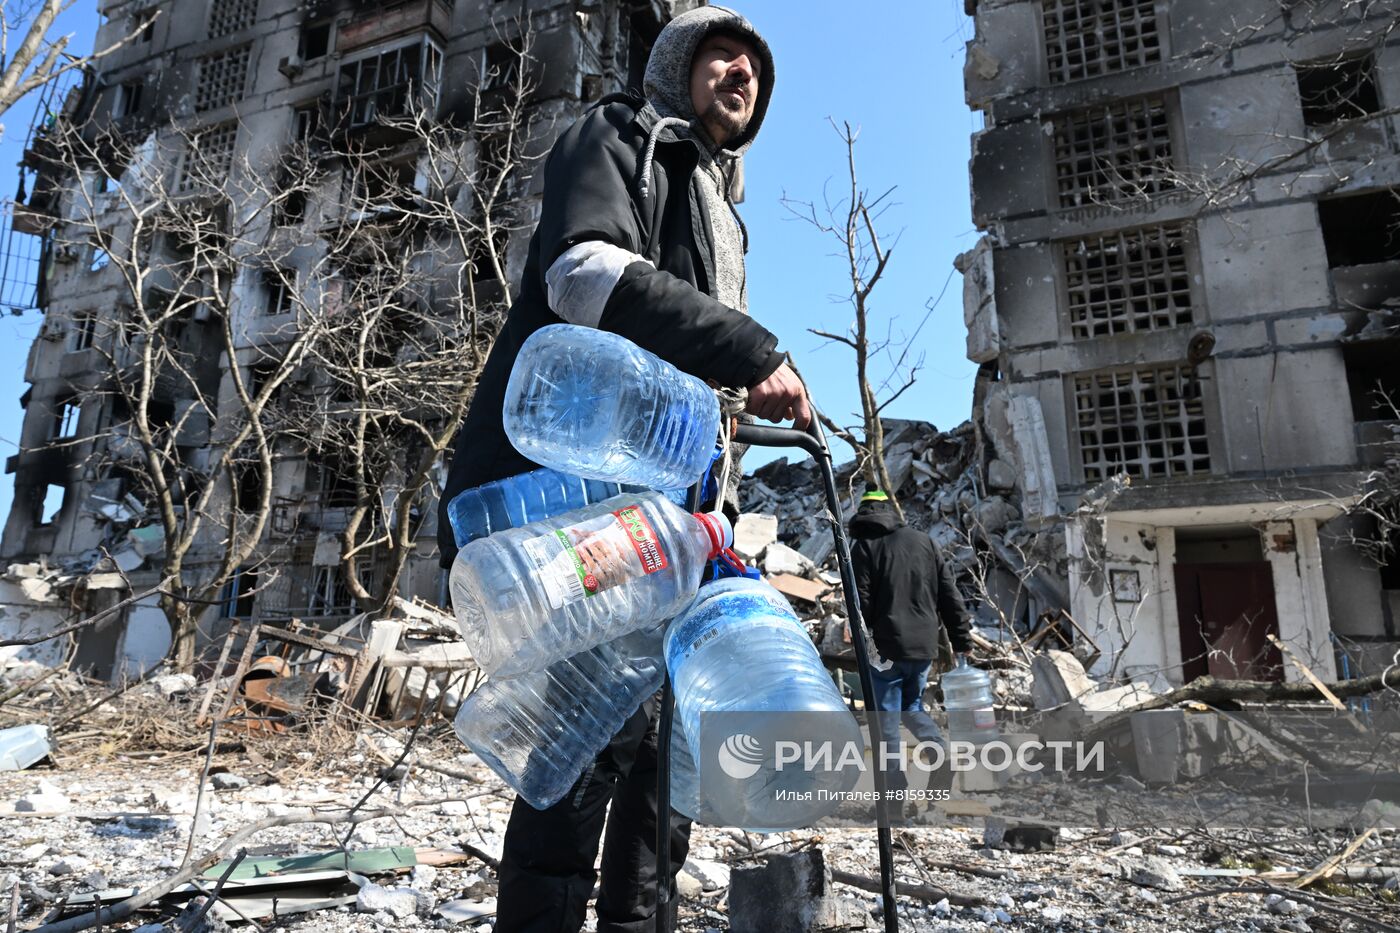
(908, 595)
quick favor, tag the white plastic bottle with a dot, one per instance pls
(739, 647)
(594, 404)
(529, 596)
(540, 730)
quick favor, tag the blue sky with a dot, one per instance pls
(895, 69)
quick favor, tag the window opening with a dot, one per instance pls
(1338, 90)
(1088, 38)
(1135, 280)
(1113, 152)
(1148, 422)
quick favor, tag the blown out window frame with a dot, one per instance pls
(1183, 440)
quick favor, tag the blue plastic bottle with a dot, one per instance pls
(737, 647)
(593, 404)
(529, 497)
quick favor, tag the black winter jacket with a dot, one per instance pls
(906, 588)
(668, 306)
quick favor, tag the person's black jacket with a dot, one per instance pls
(906, 588)
(667, 306)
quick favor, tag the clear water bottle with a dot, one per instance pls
(529, 497)
(967, 696)
(529, 596)
(739, 647)
(540, 730)
(593, 404)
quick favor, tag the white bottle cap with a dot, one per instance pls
(721, 532)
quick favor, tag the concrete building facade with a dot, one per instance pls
(1189, 276)
(215, 83)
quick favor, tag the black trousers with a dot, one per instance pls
(547, 873)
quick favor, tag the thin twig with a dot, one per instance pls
(199, 794)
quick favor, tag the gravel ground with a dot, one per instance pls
(1091, 880)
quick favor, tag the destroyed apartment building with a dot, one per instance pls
(237, 168)
(1186, 310)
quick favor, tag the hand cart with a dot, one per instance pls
(813, 441)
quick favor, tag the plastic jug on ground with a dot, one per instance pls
(529, 596)
(593, 404)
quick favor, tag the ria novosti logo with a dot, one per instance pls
(740, 756)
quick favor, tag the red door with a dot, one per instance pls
(1225, 612)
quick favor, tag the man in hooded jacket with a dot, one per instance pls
(637, 235)
(907, 595)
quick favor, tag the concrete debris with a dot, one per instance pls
(1155, 872)
(228, 781)
(170, 685)
(399, 903)
(801, 883)
(45, 798)
(753, 533)
(779, 558)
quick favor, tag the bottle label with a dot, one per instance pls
(580, 561)
(984, 718)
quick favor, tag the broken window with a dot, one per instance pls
(222, 78)
(499, 66)
(1113, 152)
(331, 480)
(49, 502)
(229, 16)
(99, 258)
(248, 484)
(1088, 38)
(1148, 423)
(1338, 89)
(209, 158)
(308, 121)
(236, 601)
(1361, 229)
(330, 594)
(1374, 379)
(65, 420)
(277, 287)
(83, 330)
(315, 40)
(390, 84)
(147, 24)
(128, 99)
(1135, 280)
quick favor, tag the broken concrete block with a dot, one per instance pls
(779, 558)
(22, 746)
(1001, 476)
(1155, 872)
(171, 685)
(401, 903)
(993, 514)
(753, 532)
(1116, 699)
(46, 798)
(190, 921)
(790, 893)
(228, 781)
(711, 875)
(1059, 679)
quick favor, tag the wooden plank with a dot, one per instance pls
(1329, 866)
(200, 719)
(799, 587)
(1315, 681)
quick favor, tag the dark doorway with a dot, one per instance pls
(1224, 613)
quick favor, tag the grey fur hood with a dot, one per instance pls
(667, 80)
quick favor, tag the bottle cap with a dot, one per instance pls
(721, 532)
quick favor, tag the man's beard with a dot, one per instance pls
(734, 122)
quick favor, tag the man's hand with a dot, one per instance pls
(781, 397)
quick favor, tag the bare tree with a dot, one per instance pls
(852, 220)
(38, 57)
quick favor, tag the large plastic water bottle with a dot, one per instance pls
(540, 730)
(967, 696)
(529, 497)
(529, 596)
(739, 647)
(594, 404)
